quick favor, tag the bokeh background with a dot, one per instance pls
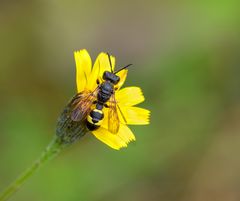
(186, 59)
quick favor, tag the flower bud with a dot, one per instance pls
(67, 130)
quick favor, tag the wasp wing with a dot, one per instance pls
(82, 104)
(113, 119)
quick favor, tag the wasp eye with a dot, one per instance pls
(105, 75)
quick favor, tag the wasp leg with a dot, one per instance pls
(124, 118)
(99, 80)
(106, 105)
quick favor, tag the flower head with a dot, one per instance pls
(89, 79)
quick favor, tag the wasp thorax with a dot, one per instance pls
(106, 88)
(108, 76)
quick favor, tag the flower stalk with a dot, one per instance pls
(67, 133)
(52, 150)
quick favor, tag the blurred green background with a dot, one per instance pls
(186, 59)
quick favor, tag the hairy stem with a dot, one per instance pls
(67, 133)
(50, 152)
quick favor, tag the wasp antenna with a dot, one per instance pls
(109, 58)
(122, 68)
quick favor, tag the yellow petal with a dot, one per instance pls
(83, 68)
(122, 129)
(101, 64)
(125, 134)
(134, 115)
(114, 141)
(123, 75)
(129, 96)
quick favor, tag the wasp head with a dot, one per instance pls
(108, 76)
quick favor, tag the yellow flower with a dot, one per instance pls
(126, 98)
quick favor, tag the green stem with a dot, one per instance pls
(67, 132)
(50, 152)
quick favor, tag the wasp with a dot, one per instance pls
(88, 105)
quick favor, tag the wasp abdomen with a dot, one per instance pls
(94, 119)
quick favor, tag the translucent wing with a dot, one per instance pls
(82, 104)
(113, 119)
